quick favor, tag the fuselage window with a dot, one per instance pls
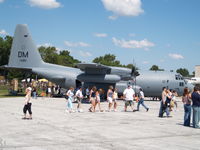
(181, 84)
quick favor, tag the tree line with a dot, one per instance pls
(52, 55)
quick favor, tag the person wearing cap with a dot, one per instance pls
(128, 95)
(141, 101)
(28, 103)
(79, 97)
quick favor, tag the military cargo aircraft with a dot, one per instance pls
(24, 55)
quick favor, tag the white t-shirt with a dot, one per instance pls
(70, 93)
(28, 95)
(79, 94)
(128, 93)
(142, 94)
(49, 90)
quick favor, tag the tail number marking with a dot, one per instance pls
(22, 55)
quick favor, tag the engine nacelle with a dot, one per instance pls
(107, 78)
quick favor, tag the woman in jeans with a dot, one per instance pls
(186, 99)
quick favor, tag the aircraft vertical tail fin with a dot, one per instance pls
(24, 53)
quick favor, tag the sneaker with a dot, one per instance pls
(147, 109)
(115, 110)
(66, 111)
(80, 110)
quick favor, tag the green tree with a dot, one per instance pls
(193, 73)
(108, 60)
(66, 59)
(51, 55)
(183, 71)
(130, 66)
(156, 68)
(5, 46)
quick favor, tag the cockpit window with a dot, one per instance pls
(178, 77)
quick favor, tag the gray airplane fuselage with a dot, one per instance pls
(151, 82)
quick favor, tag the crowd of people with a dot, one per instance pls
(94, 98)
(191, 102)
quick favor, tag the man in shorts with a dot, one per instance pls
(79, 97)
(129, 95)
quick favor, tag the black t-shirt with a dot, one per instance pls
(195, 99)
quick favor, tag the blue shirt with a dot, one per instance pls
(196, 99)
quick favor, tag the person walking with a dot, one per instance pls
(110, 97)
(163, 104)
(115, 97)
(79, 97)
(70, 97)
(141, 101)
(34, 93)
(196, 107)
(92, 98)
(98, 100)
(28, 103)
(174, 99)
(186, 99)
(128, 95)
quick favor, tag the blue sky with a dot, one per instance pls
(161, 32)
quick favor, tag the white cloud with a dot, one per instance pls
(46, 4)
(123, 7)
(3, 32)
(145, 62)
(100, 35)
(1, 1)
(78, 44)
(85, 54)
(132, 34)
(145, 44)
(176, 56)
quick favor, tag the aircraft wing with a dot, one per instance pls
(93, 68)
(6, 67)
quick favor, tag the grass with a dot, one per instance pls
(5, 93)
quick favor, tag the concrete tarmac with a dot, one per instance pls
(52, 128)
